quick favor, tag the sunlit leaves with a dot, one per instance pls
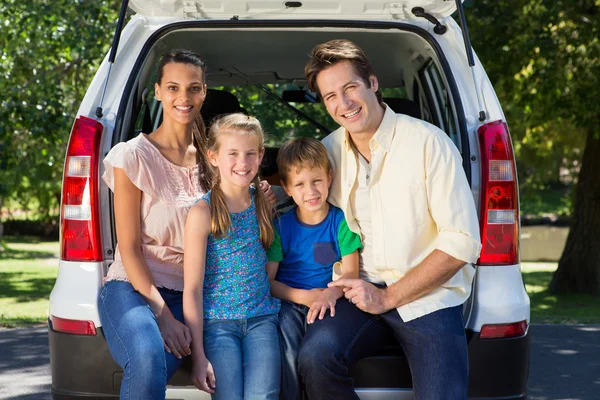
(543, 58)
(50, 51)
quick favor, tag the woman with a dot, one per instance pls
(155, 179)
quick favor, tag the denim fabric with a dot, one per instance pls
(134, 340)
(435, 346)
(245, 357)
(292, 327)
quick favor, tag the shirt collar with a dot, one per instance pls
(384, 134)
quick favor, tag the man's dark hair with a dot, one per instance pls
(334, 51)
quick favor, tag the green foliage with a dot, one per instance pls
(279, 122)
(50, 52)
(543, 58)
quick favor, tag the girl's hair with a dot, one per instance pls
(238, 124)
(199, 139)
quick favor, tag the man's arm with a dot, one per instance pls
(436, 269)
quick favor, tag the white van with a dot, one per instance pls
(426, 68)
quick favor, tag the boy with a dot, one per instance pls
(309, 239)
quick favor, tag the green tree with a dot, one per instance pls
(50, 52)
(543, 58)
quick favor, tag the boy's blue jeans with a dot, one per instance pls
(134, 340)
(435, 346)
(245, 357)
(292, 327)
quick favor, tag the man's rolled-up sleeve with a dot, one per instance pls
(450, 200)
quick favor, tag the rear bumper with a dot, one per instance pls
(82, 368)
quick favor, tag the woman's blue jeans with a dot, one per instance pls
(435, 347)
(245, 357)
(134, 340)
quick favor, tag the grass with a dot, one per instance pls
(28, 269)
(551, 309)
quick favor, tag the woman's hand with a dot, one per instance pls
(326, 300)
(268, 191)
(203, 375)
(177, 337)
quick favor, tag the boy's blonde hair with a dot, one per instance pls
(301, 153)
(238, 124)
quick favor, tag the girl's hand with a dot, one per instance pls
(268, 191)
(203, 375)
(177, 337)
(318, 309)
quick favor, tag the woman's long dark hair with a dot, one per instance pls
(199, 137)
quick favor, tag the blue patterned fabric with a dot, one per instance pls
(236, 285)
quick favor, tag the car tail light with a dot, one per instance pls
(499, 197)
(79, 221)
(496, 331)
(73, 326)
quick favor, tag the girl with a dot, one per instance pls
(226, 299)
(155, 178)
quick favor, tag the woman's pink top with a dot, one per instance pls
(168, 192)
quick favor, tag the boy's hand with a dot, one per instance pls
(326, 300)
(308, 297)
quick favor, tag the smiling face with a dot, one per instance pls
(350, 100)
(309, 188)
(181, 91)
(238, 157)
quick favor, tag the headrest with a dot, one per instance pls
(403, 106)
(219, 102)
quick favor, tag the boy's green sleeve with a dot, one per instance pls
(275, 252)
(347, 240)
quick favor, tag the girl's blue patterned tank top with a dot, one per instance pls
(236, 285)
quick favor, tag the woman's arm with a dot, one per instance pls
(127, 218)
(285, 292)
(197, 229)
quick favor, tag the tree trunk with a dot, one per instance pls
(579, 266)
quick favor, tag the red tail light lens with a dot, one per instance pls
(499, 198)
(73, 326)
(80, 229)
(495, 331)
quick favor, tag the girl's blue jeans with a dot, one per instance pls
(245, 357)
(134, 340)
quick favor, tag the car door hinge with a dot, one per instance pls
(399, 11)
(190, 10)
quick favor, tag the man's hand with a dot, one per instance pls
(325, 300)
(268, 191)
(364, 295)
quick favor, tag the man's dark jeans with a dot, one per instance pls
(435, 346)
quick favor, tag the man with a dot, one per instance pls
(400, 183)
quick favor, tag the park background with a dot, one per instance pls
(543, 58)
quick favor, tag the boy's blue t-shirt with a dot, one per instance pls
(306, 253)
